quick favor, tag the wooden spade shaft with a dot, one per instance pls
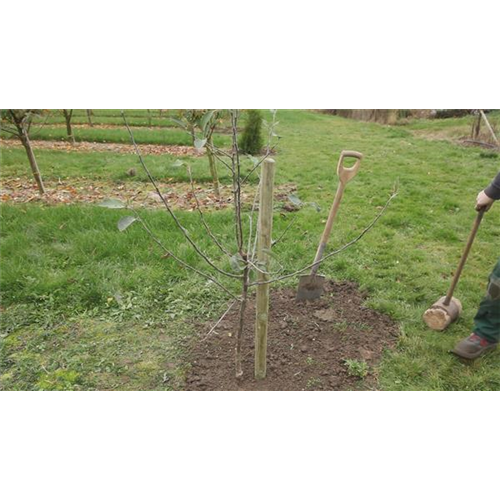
(328, 228)
(461, 265)
(345, 175)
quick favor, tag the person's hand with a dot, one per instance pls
(483, 201)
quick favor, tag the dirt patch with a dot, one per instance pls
(139, 194)
(474, 143)
(109, 147)
(331, 344)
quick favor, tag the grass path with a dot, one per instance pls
(142, 135)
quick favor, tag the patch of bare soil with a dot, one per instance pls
(309, 345)
(110, 147)
(476, 143)
(139, 194)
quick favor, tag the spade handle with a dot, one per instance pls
(345, 175)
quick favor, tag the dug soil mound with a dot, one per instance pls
(333, 343)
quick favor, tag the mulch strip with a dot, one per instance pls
(139, 194)
(108, 147)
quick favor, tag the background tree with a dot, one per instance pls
(207, 125)
(68, 114)
(188, 119)
(18, 123)
(89, 117)
(251, 140)
(205, 122)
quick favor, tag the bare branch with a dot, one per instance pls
(170, 211)
(202, 217)
(236, 168)
(275, 242)
(9, 130)
(216, 152)
(40, 128)
(255, 167)
(331, 254)
(219, 321)
(177, 259)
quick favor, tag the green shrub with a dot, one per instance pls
(251, 141)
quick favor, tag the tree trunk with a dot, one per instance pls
(69, 130)
(89, 117)
(213, 169)
(33, 164)
(243, 306)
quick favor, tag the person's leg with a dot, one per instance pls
(486, 334)
(487, 320)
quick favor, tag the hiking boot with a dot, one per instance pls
(473, 346)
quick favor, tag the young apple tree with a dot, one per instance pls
(247, 261)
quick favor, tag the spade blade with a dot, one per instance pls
(310, 287)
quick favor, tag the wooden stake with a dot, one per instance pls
(265, 229)
(490, 128)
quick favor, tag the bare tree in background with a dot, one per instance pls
(68, 114)
(18, 123)
(205, 122)
(89, 117)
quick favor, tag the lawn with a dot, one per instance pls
(142, 135)
(453, 128)
(135, 117)
(87, 307)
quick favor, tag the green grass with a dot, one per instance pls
(136, 118)
(451, 128)
(109, 166)
(67, 269)
(167, 136)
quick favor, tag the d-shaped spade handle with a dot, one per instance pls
(346, 174)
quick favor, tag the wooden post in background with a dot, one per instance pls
(490, 128)
(264, 241)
